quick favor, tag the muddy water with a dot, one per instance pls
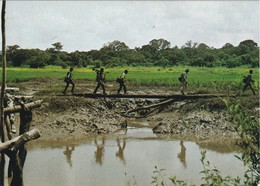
(127, 157)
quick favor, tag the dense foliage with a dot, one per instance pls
(157, 53)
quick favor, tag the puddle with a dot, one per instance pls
(128, 156)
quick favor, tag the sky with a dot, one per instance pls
(88, 25)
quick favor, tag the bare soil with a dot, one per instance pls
(65, 116)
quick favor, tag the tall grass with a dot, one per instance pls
(198, 77)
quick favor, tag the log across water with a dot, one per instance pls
(152, 96)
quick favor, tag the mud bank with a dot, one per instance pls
(69, 116)
(77, 117)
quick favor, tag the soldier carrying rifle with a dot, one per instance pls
(248, 82)
(100, 79)
(68, 80)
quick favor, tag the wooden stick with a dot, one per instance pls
(20, 140)
(15, 89)
(150, 106)
(24, 97)
(17, 108)
(2, 126)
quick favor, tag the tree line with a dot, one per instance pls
(157, 53)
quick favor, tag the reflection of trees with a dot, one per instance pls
(68, 152)
(182, 154)
(99, 153)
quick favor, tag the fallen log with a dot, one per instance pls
(152, 96)
(23, 97)
(15, 89)
(17, 108)
(157, 106)
(20, 140)
(150, 106)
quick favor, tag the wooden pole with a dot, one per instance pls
(150, 106)
(2, 131)
(3, 71)
(15, 149)
(18, 108)
(16, 164)
(16, 142)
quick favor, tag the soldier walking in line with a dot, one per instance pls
(121, 82)
(68, 80)
(184, 80)
(100, 79)
(248, 82)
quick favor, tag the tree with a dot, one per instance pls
(115, 46)
(249, 43)
(75, 58)
(132, 57)
(57, 46)
(232, 62)
(189, 44)
(11, 51)
(227, 46)
(209, 59)
(20, 57)
(160, 44)
(203, 46)
(173, 55)
(37, 59)
(190, 50)
(93, 54)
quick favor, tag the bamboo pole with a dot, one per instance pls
(3, 71)
(17, 108)
(20, 140)
(2, 131)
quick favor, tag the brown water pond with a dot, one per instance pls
(127, 157)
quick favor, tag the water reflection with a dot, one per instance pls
(182, 154)
(68, 152)
(120, 152)
(133, 151)
(99, 153)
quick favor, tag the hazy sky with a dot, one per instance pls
(87, 25)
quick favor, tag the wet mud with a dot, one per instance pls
(67, 116)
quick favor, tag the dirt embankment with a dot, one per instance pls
(66, 116)
(77, 117)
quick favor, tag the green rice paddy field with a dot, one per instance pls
(201, 78)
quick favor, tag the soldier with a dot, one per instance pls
(184, 80)
(248, 80)
(68, 80)
(121, 82)
(100, 79)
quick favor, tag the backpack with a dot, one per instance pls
(66, 80)
(245, 79)
(181, 78)
(119, 80)
(98, 76)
